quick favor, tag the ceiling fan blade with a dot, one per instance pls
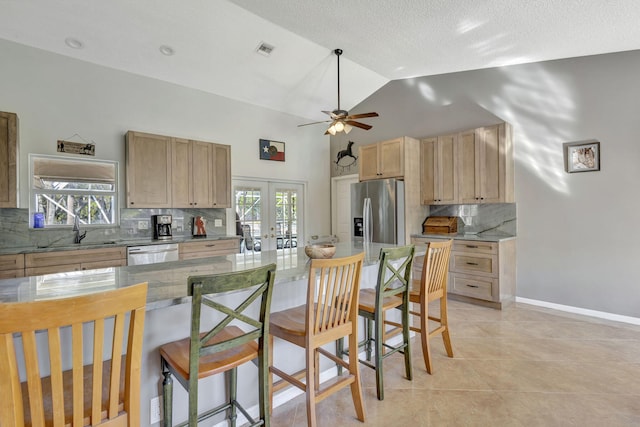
(362, 116)
(315, 123)
(358, 124)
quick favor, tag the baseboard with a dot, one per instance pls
(582, 311)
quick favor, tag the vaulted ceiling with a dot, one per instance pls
(214, 42)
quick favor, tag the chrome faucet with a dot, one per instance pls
(77, 238)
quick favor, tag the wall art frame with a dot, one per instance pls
(581, 156)
(272, 150)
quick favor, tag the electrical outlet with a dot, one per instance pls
(217, 223)
(155, 410)
(143, 225)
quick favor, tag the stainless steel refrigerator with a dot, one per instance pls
(377, 210)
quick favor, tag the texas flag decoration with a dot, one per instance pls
(271, 150)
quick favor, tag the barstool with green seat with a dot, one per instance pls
(224, 347)
(391, 292)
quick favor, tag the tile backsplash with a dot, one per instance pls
(135, 225)
(491, 218)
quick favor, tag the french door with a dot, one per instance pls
(270, 214)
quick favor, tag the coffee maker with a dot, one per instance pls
(161, 227)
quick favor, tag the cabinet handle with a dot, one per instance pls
(473, 286)
(131, 203)
(472, 263)
(211, 246)
(472, 246)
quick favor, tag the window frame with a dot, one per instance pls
(34, 192)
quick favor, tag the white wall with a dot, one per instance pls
(56, 97)
(577, 233)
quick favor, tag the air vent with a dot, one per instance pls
(264, 49)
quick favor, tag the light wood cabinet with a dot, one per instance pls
(38, 263)
(148, 169)
(193, 174)
(480, 272)
(191, 170)
(8, 160)
(485, 163)
(385, 159)
(208, 248)
(11, 266)
(439, 173)
(221, 175)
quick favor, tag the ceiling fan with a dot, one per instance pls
(340, 119)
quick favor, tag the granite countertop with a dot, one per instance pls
(167, 281)
(109, 244)
(483, 237)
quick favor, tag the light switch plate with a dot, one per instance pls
(217, 223)
(143, 225)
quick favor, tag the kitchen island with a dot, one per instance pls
(168, 311)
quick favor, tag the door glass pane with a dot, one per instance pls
(249, 210)
(286, 218)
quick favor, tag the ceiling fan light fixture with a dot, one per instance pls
(332, 130)
(347, 128)
(339, 126)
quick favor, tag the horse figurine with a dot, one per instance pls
(346, 153)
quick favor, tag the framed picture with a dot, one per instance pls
(582, 156)
(271, 150)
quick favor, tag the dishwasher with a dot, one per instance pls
(151, 254)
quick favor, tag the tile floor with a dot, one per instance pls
(522, 366)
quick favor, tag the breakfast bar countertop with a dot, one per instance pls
(168, 281)
(483, 237)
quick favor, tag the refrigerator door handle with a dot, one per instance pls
(366, 215)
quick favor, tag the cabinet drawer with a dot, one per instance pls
(474, 264)
(44, 259)
(11, 262)
(473, 286)
(209, 248)
(11, 274)
(475, 246)
(103, 264)
(51, 269)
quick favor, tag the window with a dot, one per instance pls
(63, 188)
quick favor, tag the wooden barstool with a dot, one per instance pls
(222, 348)
(391, 292)
(331, 313)
(100, 393)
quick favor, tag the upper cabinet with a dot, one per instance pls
(382, 160)
(148, 159)
(439, 172)
(470, 167)
(8, 160)
(188, 174)
(485, 160)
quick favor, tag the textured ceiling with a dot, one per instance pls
(215, 40)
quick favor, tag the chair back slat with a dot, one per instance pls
(333, 292)
(436, 267)
(76, 382)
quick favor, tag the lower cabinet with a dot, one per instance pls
(208, 248)
(481, 271)
(83, 259)
(11, 266)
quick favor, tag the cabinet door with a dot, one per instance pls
(148, 159)
(201, 175)
(180, 173)
(447, 175)
(468, 187)
(369, 162)
(391, 158)
(221, 176)
(428, 171)
(8, 160)
(490, 164)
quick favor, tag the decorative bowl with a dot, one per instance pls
(320, 251)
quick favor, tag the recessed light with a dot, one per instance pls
(73, 43)
(166, 50)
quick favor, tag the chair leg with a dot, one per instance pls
(367, 336)
(424, 334)
(270, 374)
(310, 354)
(406, 341)
(167, 396)
(378, 356)
(354, 369)
(232, 377)
(339, 353)
(444, 321)
(263, 382)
